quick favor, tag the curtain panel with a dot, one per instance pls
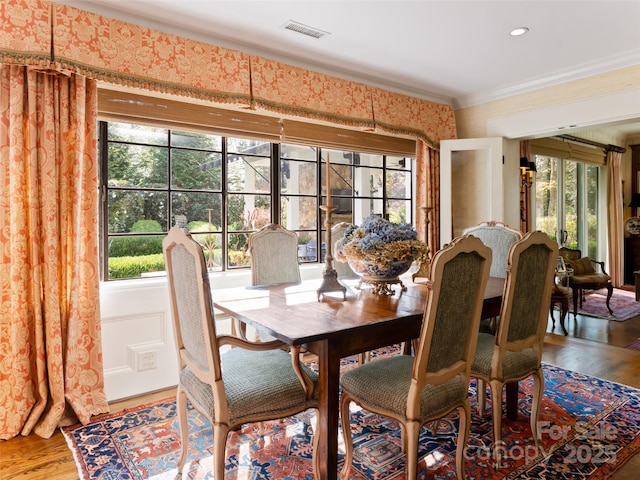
(615, 223)
(51, 369)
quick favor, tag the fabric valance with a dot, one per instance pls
(25, 34)
(65, 38)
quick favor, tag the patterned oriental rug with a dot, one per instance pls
(589, 429)
(623, 302)
(635, 345)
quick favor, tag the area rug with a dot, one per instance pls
(589, 428)
(635, 345)
(623, 303)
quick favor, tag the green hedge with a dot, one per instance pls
(134, 267)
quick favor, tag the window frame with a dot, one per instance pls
(275, 193)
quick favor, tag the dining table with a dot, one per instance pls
(332, 327)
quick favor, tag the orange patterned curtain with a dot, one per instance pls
(615, 208)
(50, 344)
(428, 193)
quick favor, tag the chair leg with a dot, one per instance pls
(575, 293)
(183, 422)
(412, 430)
(464, 412)
(345, 418)
(564, 308)
(496, 405)
(538, 389)
(609, 293)
(220, 434)
(316, 445)
(481, 395)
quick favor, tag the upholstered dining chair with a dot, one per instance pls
(252, 382)
(515, 352)
(498, 237)
(342, 268)
(273, 251)
(425, 387)
(585, 277)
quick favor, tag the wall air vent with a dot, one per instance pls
(304, 29)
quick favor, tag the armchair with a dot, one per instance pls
(515, 352)
(420, 389)
(585, 277)
(250, 383)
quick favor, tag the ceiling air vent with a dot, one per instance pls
(304, 29)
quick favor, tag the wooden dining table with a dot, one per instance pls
(333, 328)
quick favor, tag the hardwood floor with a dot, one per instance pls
(593, 347)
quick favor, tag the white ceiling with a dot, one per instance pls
(453, 51)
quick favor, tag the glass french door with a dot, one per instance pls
(567, 203)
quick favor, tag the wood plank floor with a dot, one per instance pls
(593, 347)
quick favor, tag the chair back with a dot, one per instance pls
(527, 293)
(191, 308)
(570, 254)
(499, 238)
(449, 334)
(274, 256)
(342, 268)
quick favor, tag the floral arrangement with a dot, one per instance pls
(381, 242)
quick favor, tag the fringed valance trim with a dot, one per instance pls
(98, 47)
(146, 83)
(283, 109)
(24, 58)
(407, 132)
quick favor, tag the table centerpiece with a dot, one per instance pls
(379, 251)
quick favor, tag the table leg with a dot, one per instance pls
(329, 412)
(512, 400)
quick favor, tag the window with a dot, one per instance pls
(222, 188)
(567, 203)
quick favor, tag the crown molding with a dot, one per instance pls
(586, 70)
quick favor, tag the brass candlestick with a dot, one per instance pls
(330, 281)
(425, 264)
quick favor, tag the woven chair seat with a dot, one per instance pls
(257, 383)
(515, 365)
(385, 385)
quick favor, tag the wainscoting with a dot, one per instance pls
(137, 334)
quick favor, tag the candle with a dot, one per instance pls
(328, 181)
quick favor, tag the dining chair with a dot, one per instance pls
(515, 352)
(415, 390)
(585, 277)
(252, 382)
(273, 252)
(498, 237)
(342, 268)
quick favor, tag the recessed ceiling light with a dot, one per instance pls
(516, 32)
